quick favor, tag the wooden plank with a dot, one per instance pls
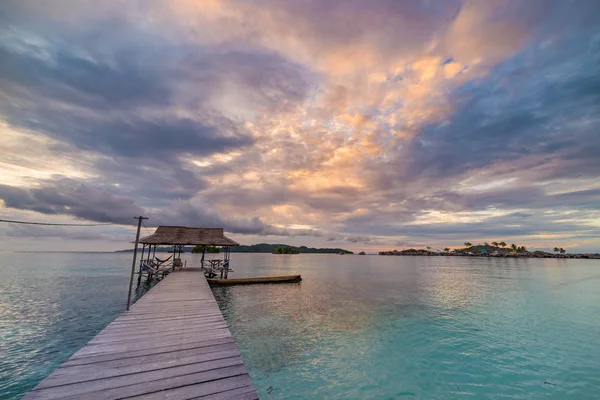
(135, 335)
(76, 382)
(137, 388)
(155, 328)
(173, 343)
(148, 344)
(141, 353)
(158, 324)
(205, 331)
(68, 375)
(150, 358)
(198, 391)
(169, 315)
(241, 393)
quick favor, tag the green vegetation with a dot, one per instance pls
(209, 249)
(286, 250)
(272, 248)
(493, 247)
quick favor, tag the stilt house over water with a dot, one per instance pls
(178, 237)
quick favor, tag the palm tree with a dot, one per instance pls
(513, 246)
(562, 251)
(495, 244)
(502, 244)
(556, 250)
(522, 249)
(446, 249)
(468, 244)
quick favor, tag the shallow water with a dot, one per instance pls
(360, 327)
(375, 327)
(51, 304)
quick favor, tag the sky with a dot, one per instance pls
(367, 125)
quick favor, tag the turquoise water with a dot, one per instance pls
(51, 304)
(357, 327)
(375, 327)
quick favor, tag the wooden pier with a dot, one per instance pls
(172, 344)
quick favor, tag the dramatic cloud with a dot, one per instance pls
(68, 197)
(388, 123)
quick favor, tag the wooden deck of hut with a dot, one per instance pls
(172, 343)
(179, 237)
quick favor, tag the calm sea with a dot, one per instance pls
(357, 327)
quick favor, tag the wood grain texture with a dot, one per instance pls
(173, 343)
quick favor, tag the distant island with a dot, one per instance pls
(286, 250)
(205, 249)
(256, 248)
(495, 249)
(272, 248)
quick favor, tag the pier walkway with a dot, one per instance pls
(172, 344)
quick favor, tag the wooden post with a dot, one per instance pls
(139, 280)
(226, 263)
(137, 239)
(144, 249)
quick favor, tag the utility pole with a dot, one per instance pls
(137, 239)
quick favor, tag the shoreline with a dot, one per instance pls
(589, 256)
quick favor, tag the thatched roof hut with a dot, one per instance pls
(183, 236)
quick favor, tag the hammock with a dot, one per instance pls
(163, 261)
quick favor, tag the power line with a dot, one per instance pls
(49, 224)
(144, 225)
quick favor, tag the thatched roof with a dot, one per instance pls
(188, 236)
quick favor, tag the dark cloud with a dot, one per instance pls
(143, 104)
(154, 182)
(497, 227)
(71, 198)
(71, 233)
(68, 197)
(551, 114)
(188, 214)
(123, 82)
(42, 88)
(550, 214)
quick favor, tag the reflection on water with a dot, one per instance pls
(426, 327)
(357, 327)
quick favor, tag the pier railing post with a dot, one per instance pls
(137, 239)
